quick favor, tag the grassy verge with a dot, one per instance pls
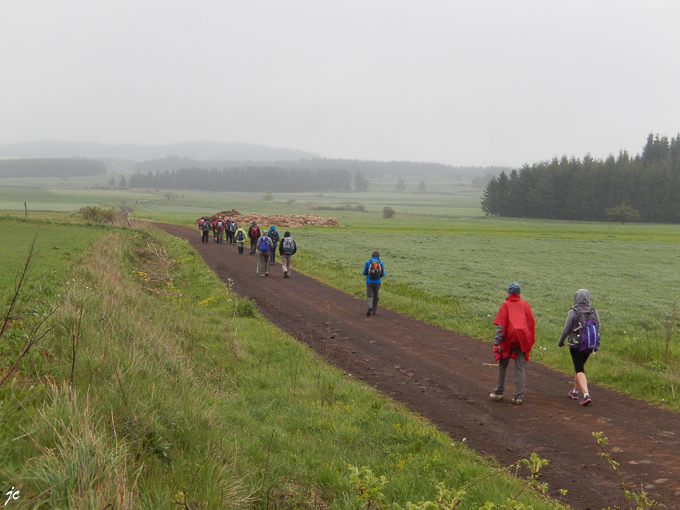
(182, 394)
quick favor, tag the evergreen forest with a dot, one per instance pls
(645, 187)
(370, 169)
(253, 179)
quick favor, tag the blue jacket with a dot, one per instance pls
(367, 265)
(269, 234)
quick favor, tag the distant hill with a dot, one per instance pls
(50, 167)
(216, 155)
(201, 150)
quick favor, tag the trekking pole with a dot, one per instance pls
(257, 269)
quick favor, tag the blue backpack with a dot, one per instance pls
(263, 245)
(586, 333)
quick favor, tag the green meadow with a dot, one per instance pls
(155, 387)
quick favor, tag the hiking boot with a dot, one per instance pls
(285, 274)
(266, 274)
(495, 396)
(368, 312)
(586, 401)
(517, 401)
(573, 395)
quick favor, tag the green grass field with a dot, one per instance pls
(180, 394)
(450, 265)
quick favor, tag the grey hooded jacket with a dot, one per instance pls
(582, 297)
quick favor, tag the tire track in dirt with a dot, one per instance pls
(447, 377)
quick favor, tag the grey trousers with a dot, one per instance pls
(372, 290)
(285, 263)
(520, 362)
(263, 262)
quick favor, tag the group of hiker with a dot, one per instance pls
(264, 244)
(515, 337)
(514, 320)
(220, 227)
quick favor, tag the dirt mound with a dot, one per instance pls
(279, 220)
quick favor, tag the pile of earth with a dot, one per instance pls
(279, 220)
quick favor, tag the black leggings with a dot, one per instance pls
(579, 358)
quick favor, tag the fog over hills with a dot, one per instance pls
(216, 155)
(201, 150)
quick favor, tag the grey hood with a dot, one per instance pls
(582, 297)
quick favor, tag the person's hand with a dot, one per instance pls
(560, 343)
(497, 352)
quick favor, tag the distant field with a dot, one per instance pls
(186, 206)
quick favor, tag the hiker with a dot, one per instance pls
(253, 235)
(265, 247)
(287, 249)
(514, 339)
(204, 227)
(213, 227)
(219, 229)
(240, 237)
(231, 229)
(374, 270)
(577, 318)
(274, 236)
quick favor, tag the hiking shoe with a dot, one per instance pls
(495, 397)
(573, 395)
(368, 312)
(517, 401)
(586, 401)
(266, 274)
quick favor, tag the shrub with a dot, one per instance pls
(245, 308)
(388, 212)
(97, 213)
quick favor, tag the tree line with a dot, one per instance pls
(645, 187)
(374, 169)
(50, 167)
(253, 179)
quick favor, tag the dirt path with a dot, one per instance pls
(447, 378)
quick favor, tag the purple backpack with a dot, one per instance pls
(586, 333)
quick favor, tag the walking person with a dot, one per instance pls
(274, 236)
(265, 247)
(374, 270)
(219, 229)
(253, 235)
(232, 227)
(204, 227)
(287, 249)
(240, 236)
(514, 339)
(583, 329)
(213, 227)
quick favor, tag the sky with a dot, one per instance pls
(479, 83)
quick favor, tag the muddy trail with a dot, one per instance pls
(447, 377)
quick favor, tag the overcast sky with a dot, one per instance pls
(458, 82)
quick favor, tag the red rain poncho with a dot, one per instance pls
(515, 316)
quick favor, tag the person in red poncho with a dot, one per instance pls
(514, 339)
